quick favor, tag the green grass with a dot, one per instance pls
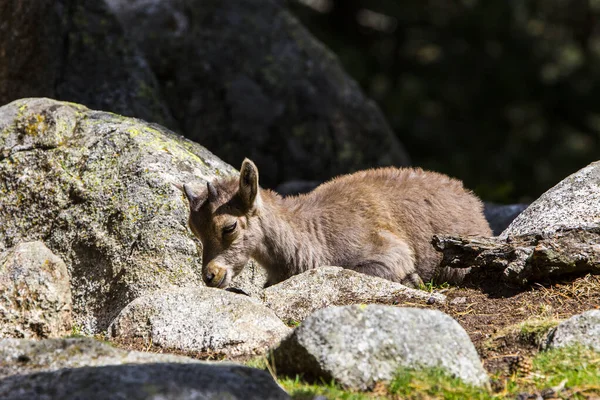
(259, 362)
(578, 365)
(576, 369)
(301, 390)
(431, 286)
(292, 323)
(410, 384)
(76, 331)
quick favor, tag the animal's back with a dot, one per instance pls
(408, 202)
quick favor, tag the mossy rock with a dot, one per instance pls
(103, 192)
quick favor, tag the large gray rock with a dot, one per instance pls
(35, 293)
(22, 357)
(582, 329)
(246, 79)
(79, 53)
(103, 193)
(299, 296)
(87, 369)
(572, 203)
(201, 320)
(358, 346)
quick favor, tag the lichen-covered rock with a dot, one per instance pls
(358, 346)
(35, 293)
(572, 203)
(299, 296)
(87, 369)
(206, 320)
(79, 53)
(582, 329)
(246, 79)
(103, 193)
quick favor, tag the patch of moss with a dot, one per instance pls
(534, 331)
(154, 139)
(530, 332)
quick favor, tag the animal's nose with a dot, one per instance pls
(214, 275)
(208, 277)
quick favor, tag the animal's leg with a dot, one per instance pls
(376, 268)
(390, 258)
(413, 280)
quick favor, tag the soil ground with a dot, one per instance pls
(493, 314)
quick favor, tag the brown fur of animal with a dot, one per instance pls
(379, 222)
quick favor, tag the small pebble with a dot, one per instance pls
(458, 300)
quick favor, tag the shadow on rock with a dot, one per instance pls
(160, 380)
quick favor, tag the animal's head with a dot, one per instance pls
(223, 215)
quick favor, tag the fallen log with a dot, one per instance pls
(525, 259)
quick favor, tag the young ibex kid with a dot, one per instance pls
(379, 222)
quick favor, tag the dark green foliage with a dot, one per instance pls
(502, 94)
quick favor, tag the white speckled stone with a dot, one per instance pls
(201, 319)
(301, 295)
(102, 192)
(572, 203)
(358, 346)
(582, 329)
(35, 293)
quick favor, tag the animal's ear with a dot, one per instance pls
(249, 184)
(196, 200)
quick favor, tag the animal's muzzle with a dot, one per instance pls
(215, 275)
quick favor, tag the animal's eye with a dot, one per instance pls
(230, 228)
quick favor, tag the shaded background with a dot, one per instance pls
(501, 93)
